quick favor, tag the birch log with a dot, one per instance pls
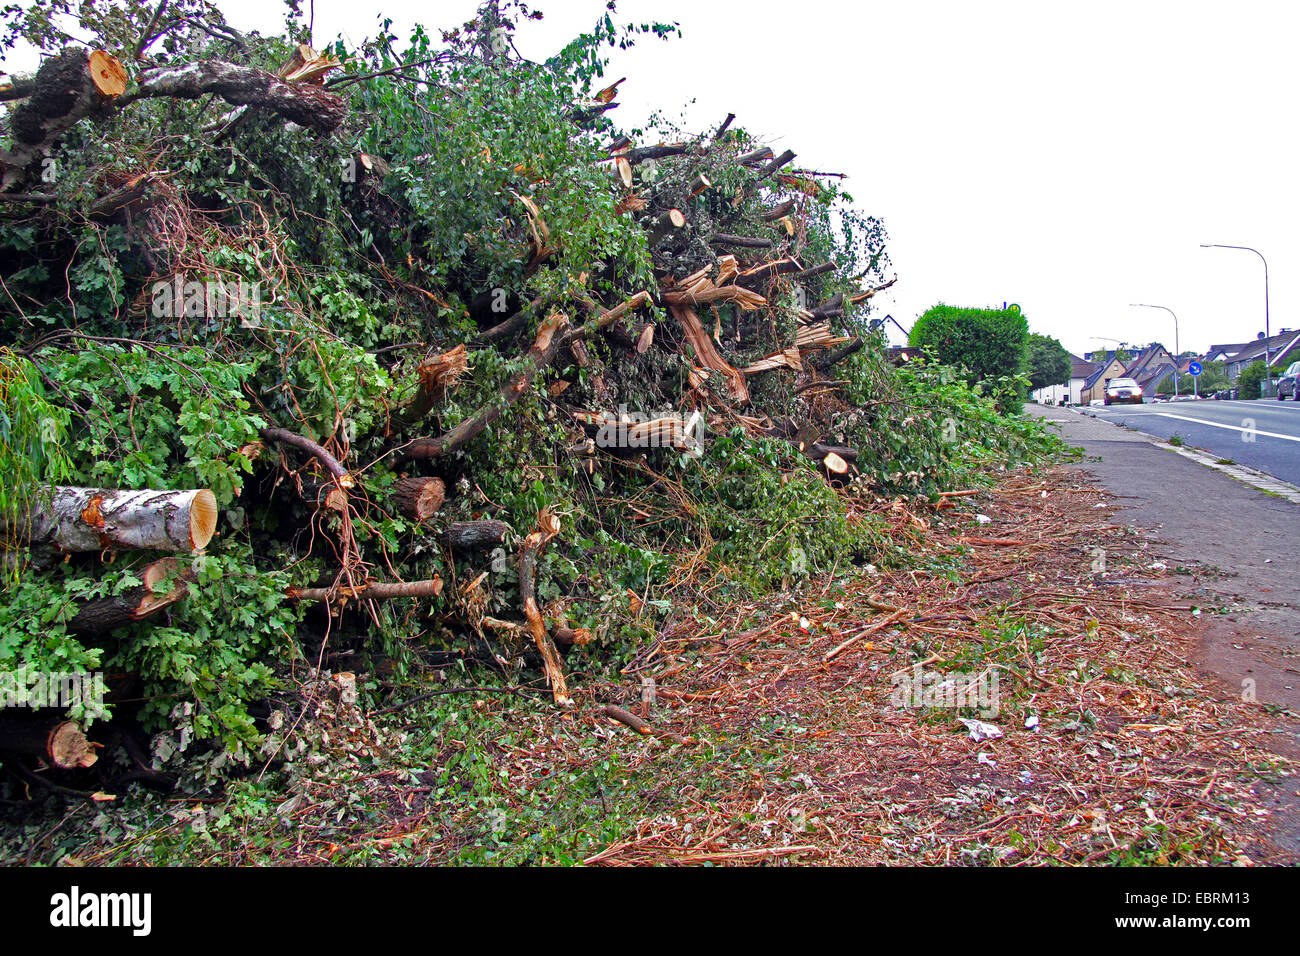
(100, 519)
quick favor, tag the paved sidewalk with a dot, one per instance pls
(1237, 549)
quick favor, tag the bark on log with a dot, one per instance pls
(375, 590)
(815, 271)
(827, 359)
(509, 326)
(132, 194)
(759, 155)
(548, 526)
(775, 164)
(779, 212)
(419, 498)
(472, 535)
(300, 103)
(743, 242)
(60, 743)
(99, 519)
(642, 153)
(768, 270)
(330, 463)
(106, 614)
(830, 308)
(664, 226)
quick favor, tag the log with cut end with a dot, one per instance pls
(664, 226)
(699, 184)
(301, 103)
(61, 743)
(69, 87)
(103, 519)
(419, 498)
(135, 604)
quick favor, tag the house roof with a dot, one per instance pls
(1153, 376)
(1278, 345)
(1153, 352)
(1081, 368)
(1100, 370)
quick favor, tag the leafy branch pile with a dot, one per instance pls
(369, 317)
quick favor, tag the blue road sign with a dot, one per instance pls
(1194, 368)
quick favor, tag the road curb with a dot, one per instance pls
(1256, 479)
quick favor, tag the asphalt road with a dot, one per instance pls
(1263, 434)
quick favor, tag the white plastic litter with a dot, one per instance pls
(979, 730)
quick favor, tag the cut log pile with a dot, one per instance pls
(740, 303)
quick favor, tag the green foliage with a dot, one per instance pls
(162, 418)
(1251, 380)
(987, 343)
(1046, 361)
(32, 435)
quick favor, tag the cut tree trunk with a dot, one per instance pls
(419, 498)
(106, 614)
(60, 743)
(775, 164)
(665, 226)
(109, 519)
(779, 212)
(762, 154)
(66, 89)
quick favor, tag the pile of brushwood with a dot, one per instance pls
(393, 357)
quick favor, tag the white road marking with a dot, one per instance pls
(1235, 428)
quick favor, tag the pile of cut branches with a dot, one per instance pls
(379, 360)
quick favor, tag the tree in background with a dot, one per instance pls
(988, 343)
(1251, 377)
(1046, 361)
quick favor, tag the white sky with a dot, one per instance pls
(1068, 157)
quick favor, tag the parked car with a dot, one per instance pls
(1123, 390)
(1289, 383)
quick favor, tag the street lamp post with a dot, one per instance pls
(1268, 352)
(1177, 350)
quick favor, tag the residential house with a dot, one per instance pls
(1094, 386)
(1282, 349)
(1221, 353)
(1071, 392)
(1152, 366)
